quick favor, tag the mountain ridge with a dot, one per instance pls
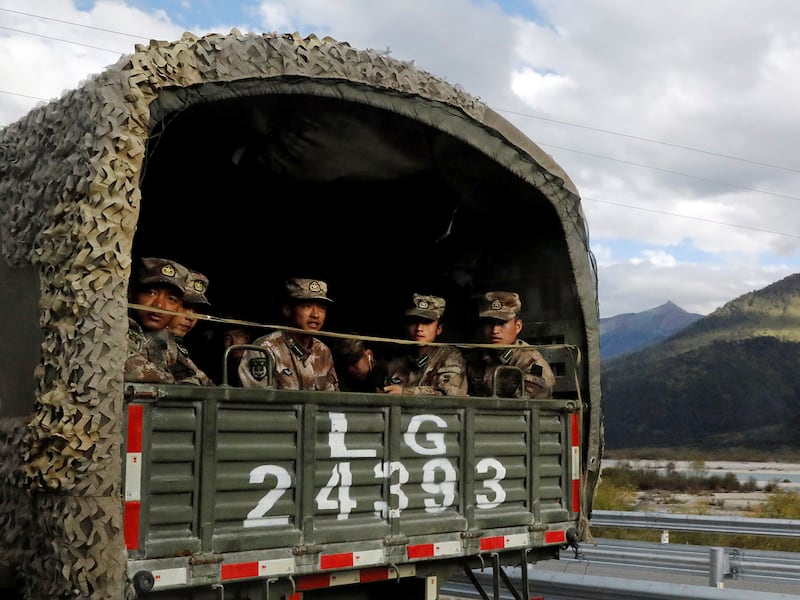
(724, 381)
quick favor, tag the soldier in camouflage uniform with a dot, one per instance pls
(427, 370)
(151, 351)
(194, 300)
(300, 360)
(357, 367)
(500, 320)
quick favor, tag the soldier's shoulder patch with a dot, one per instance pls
(181, 347)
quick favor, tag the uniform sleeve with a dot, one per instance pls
(449, 379)
(539, 377)
(185, 370)
(147, 359)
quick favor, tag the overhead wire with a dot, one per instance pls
(522, 114)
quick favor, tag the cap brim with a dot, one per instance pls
(425, 314)
(499, 315)
(310, 299)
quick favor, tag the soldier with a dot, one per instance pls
(235, 335)
(357, 367)
(300, 360)
(194, 300)
(500, 323)
(427, 370)
(159, 283)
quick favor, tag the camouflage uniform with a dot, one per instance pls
(484, 365)
(151, 354)
(184, 370)
(537, 374)
(295, 367)
(441, 371)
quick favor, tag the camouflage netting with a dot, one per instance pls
(69, 204)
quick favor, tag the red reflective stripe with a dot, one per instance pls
(375, 574)
(132, 510)
(493, 543)
(310, 582)
(420, 550)
(239, 570)
(576, 432)
(336, 561)
(299, 596)
(576, 495)
(135, 412)
(554, 537)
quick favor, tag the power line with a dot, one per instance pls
(560, 122)
(671, 214)
(521, 114)
(17, 12)
(652, 141)
(628, 162)
(48, 37)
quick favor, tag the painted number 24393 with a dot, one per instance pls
(439, 477)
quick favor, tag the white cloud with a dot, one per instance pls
(721, 76)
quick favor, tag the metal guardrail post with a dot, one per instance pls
(719, 566)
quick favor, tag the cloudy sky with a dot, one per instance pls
(677, 119)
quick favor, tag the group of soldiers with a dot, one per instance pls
(165, 294)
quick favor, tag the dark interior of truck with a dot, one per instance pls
(251, 188)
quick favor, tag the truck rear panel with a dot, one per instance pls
(228, 484)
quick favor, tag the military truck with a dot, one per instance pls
(253, 158)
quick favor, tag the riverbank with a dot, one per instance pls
(767, 477)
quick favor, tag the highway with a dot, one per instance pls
(626, 569)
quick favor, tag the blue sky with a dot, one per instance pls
(676, 119)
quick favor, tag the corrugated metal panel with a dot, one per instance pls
(553, 472)
(254, 469)
(170, 468)
(502, 468)
(329, 479)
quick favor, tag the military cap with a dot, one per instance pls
(499, 305)
(161, 270)
(306, 289)
(427, 307)
(196, 286)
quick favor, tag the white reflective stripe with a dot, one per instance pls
(515, 540)
(431, 587)
(167, 577)
(576, 462)
(447, 548)
(133, 476)
(279, 566)
(368, 557)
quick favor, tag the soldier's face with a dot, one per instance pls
(423, 330)
(180, 325)
(307, 315)
(158, 296)
(235, 337)
(361, 368)
(500, 332)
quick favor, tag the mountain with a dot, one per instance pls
(726, 381)
(631, 331)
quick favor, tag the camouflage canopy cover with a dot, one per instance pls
(73, 175)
